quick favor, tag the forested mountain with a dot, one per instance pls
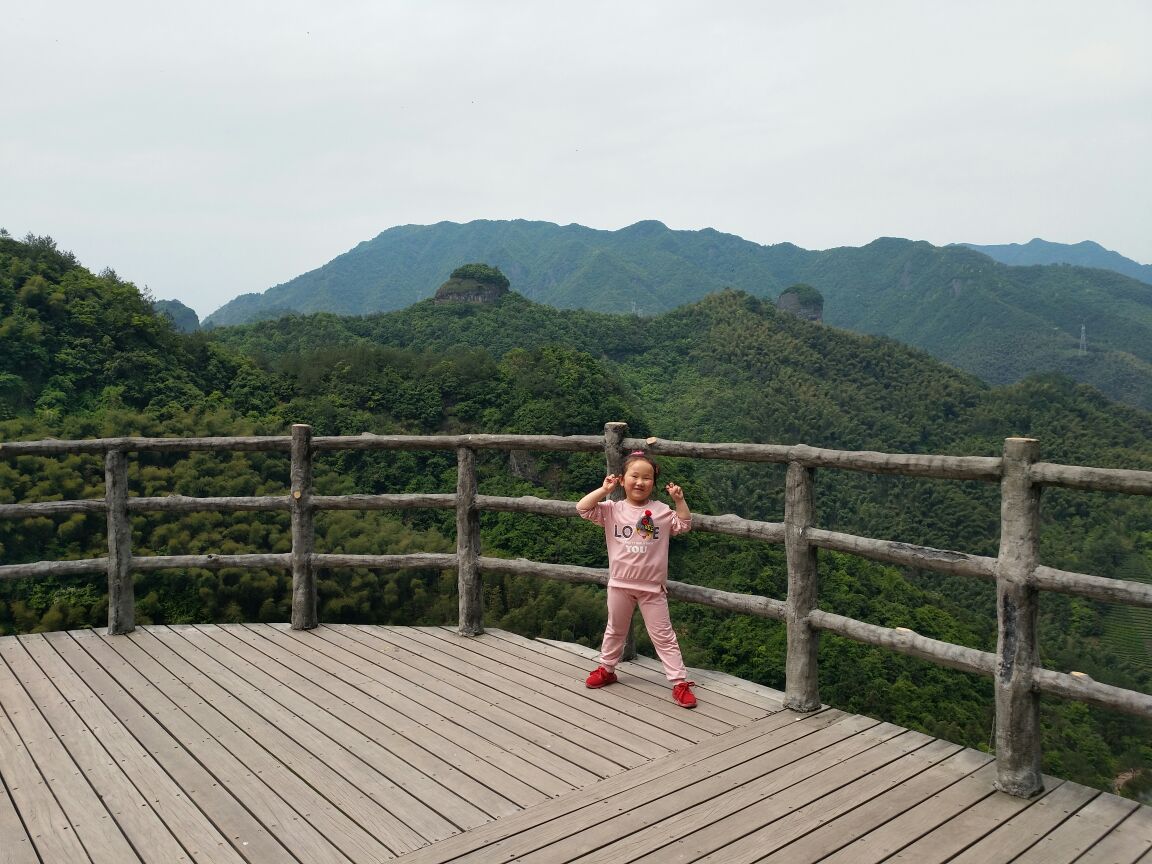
(1001, 323)
(1085, 254)
(729, 367)
(183, 318)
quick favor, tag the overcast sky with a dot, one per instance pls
(211, 149)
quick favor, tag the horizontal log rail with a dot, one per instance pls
(1074, 685)
(905, 554)
(1095, 587)
(1093, 479)
(100, 446)
(909, 465)
(1017, 576)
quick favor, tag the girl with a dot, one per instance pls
(637, 530)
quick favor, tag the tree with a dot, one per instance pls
(485, 273)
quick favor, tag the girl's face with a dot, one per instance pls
(639, 481)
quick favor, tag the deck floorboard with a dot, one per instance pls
(355, 743)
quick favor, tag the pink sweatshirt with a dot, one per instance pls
(637, 539)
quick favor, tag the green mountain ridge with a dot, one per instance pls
(727, 367)
(999, 322)
(1084, 254)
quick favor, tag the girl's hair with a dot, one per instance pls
(640, 455)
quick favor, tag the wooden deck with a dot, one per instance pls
(353, 744)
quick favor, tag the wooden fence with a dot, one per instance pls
(1018, 677)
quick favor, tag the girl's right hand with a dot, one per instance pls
(611, 482)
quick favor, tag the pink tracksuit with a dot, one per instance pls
(637, 539)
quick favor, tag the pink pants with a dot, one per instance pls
(654, 608)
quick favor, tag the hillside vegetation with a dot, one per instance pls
(998, 322)
(729, 367)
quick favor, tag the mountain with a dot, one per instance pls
(644, 268)
(1085, 254)
(999, 322)
(183, 318)
(86, 356)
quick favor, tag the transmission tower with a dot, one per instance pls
(1083, 340)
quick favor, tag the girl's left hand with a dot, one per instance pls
(675, 491)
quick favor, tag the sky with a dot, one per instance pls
(208, 150)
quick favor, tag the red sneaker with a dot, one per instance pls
(600, 677)
(682, 694)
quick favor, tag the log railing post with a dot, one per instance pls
(304, 615)
(1017, 609)
(614, 435)
(468, 545)
(801, 687)
(121, 590)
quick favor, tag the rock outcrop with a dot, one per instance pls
(473, 283)
(803, 301)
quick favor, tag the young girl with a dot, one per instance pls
(637, 530)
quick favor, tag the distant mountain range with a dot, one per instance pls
(999, 322)
(1086, 254)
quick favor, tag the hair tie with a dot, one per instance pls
(637, 453)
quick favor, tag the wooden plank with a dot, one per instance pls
(1081, 831)
(89, 816)
(647, 706)
(899, 797)
(383, 731)
(824, 804)
(965, 828)
(135, 819)
(484, 749)
(203, 840)
(567, 696)
(822, 840)
(535, 713)
(619, 718)
(488, 731)
(207, 707)
(223, 782)
(409, 795)
(249, 836)
(44, 820)
(740, 697)
(755, 695)
(705, 720)
(368, 797)
(619, 727)
(514, 836)
(720, 700)
(886, 839)
(1029, 824)
(14, 840)
(574, 695)
(1128, 842)
(728, 773)
(708, 832)
(659, 812)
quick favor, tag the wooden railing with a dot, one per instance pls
(1017, 675)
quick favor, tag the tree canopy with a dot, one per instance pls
(485, 273)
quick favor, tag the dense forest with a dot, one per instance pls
(86, 355)
(1001, 323)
